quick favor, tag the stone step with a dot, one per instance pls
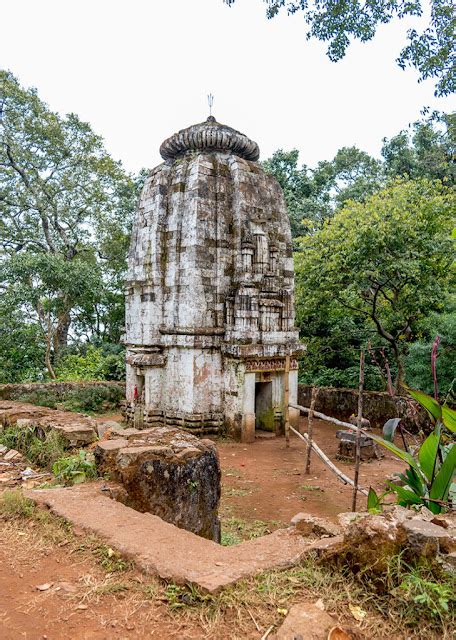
(162, 549)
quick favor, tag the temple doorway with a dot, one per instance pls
(264, 411)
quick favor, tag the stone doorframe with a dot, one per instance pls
(277, 377)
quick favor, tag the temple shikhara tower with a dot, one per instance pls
(210, 332)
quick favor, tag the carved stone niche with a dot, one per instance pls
(273, 259)
(247, 252)
(261, 253)
(270, 315)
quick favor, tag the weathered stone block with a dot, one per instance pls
(167, 472)
(308, 525)
(305, 621)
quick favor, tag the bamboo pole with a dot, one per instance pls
(339, 423)
(310, 427)
(345, 479)
(358, 432)
(322, 416)
(286, 400)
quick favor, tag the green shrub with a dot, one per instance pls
(91, 398)
(41, 398)
(93, 363)
(96, 398)
(347, 378)
(74, 469)
(42, 449)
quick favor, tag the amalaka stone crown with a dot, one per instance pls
(209, 136)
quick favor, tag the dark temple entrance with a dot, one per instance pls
(264, 412)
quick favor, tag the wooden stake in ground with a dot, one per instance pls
(358, 431)
(324, 458)
(310, 427)
(286, 400)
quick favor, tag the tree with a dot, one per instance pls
(303, 209)
(44, 286)
(312, 195)
(431, 53)
(351, 175)
(387, 260)
(426, 150)
(66, 207)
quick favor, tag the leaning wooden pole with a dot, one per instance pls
(358, 431)
(286, 400)
(310, 427)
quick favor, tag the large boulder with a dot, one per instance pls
(370, 539)
(168, 472)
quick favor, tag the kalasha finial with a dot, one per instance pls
(210, 102)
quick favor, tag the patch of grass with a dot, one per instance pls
(13, 504)
(40, 448)
(236, 493)
(409, 608)
(22, 517)
(185, 596)
(112, 561)
(232, 471)
(236, 530)
(228, 538)
(420, 591)
(110, 588)
(311, 487)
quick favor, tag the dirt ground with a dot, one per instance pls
(266, 481)
(81, 601)
(263, 483)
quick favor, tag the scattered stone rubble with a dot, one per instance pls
(77, 429)
(165, 471)
(14, 471)
(368, 539)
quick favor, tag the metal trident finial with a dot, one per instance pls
(210, 102)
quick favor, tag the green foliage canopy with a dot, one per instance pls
(66, 208)
(387, 260)
(431, 52)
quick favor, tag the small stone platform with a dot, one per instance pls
(78, 430)
(160, 548)
(168, 472)
(347, 446)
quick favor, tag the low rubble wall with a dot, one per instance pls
(94, 396)
(57, 389)
(378, 407)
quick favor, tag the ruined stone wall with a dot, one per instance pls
(57, 390)
(378, 406)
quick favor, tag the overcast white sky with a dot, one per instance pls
(140, 70)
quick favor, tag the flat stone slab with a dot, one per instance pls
(162, 549)
(77, 429)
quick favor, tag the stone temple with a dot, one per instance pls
(210, 331)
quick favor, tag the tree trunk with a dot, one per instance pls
(47, 358)
(61, 334)
(400, 379)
